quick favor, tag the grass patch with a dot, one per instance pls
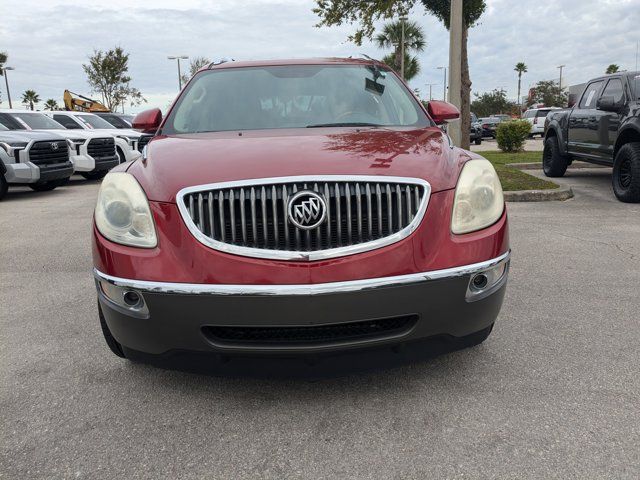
(513, 179)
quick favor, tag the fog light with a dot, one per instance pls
(486, 282)
(125, 298)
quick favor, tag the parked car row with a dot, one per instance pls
(43, 149)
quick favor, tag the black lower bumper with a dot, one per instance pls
(106, 163)
(297, 323)
(56, 171)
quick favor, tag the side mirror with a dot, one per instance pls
(148, 121)
(607, 104)
(442, 112)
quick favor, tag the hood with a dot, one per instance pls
(28, 135)
(75, 133)
(176, 162)
(115, 132)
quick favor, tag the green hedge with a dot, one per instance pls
(511, 135)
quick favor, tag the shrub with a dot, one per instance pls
(511, 135)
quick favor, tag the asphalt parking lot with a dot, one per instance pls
(553, 393)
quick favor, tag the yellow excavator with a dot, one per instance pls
(74, 101)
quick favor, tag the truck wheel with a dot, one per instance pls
(112, 343)
(478, 141)
(94, 175)
(554, 163)
(44, 187)
(4, 186)
(626, 173)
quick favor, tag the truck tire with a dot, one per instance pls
(554, 163)
(4, 186)
(112, 343)
(44, 187)
(626, 173)
(94, 175)
(478, 141)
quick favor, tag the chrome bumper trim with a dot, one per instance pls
(310, 289)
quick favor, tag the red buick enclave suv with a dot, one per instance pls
(298, 206)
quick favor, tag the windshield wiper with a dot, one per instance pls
(344, 124)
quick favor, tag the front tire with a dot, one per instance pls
(4, 186)
(112, 343)
(626, 173)
(94, 175)
(478, 141)
(43, 187)
(554, 163)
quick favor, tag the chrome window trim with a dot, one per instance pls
(310, 289)
(300, 255)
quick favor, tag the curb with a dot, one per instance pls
(538, 166)
(562, 193)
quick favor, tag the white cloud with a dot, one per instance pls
(48, 44)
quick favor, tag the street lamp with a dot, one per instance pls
(444, 94)
(6, 81)
(403, 18)
(178, 58)
(561, 67)
(431, 85)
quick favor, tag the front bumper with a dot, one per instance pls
(106, 163)
(287, 318)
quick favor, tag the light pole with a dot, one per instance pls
(178, 58)
(455, 72)
(431, 85)
(444, 94)
(561, 67)
(6, 81)
(403, 18)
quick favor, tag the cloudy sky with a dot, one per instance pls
(48, 42)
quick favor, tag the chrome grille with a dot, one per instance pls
(251, 217)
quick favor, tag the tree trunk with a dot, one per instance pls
(519, 84)
(465, 91)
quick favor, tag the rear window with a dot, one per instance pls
(542, 113)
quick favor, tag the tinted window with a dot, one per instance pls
(115, 121)
(542, 113)
(10, 123)
(614, 89)
(67, 122)
(590, 95)
(294, 96)
(94, 121)
(38, 121)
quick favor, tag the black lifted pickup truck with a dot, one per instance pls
(602, 127)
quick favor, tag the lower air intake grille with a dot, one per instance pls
(366, 330)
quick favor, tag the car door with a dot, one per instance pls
(583, 125)
(609, 122)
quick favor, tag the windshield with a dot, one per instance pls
(115, 121)
(94, 121)
(38, 121)
(294, 96)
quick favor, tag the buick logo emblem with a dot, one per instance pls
(307, 210)
(54, 146)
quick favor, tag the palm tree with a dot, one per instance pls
(391, 37)
(51, 104)
(30, 97)
(613, 68)
(411, 65)
(521, 68)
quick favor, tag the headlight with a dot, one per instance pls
(12, 148)
(122, 212)
(478, 201)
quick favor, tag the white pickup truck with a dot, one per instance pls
(40, 160)
(95, 153)
(126, 139)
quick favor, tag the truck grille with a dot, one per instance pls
(101, 147)
(253, 218)
(319, 334)
(49, 152)
(143, 140)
